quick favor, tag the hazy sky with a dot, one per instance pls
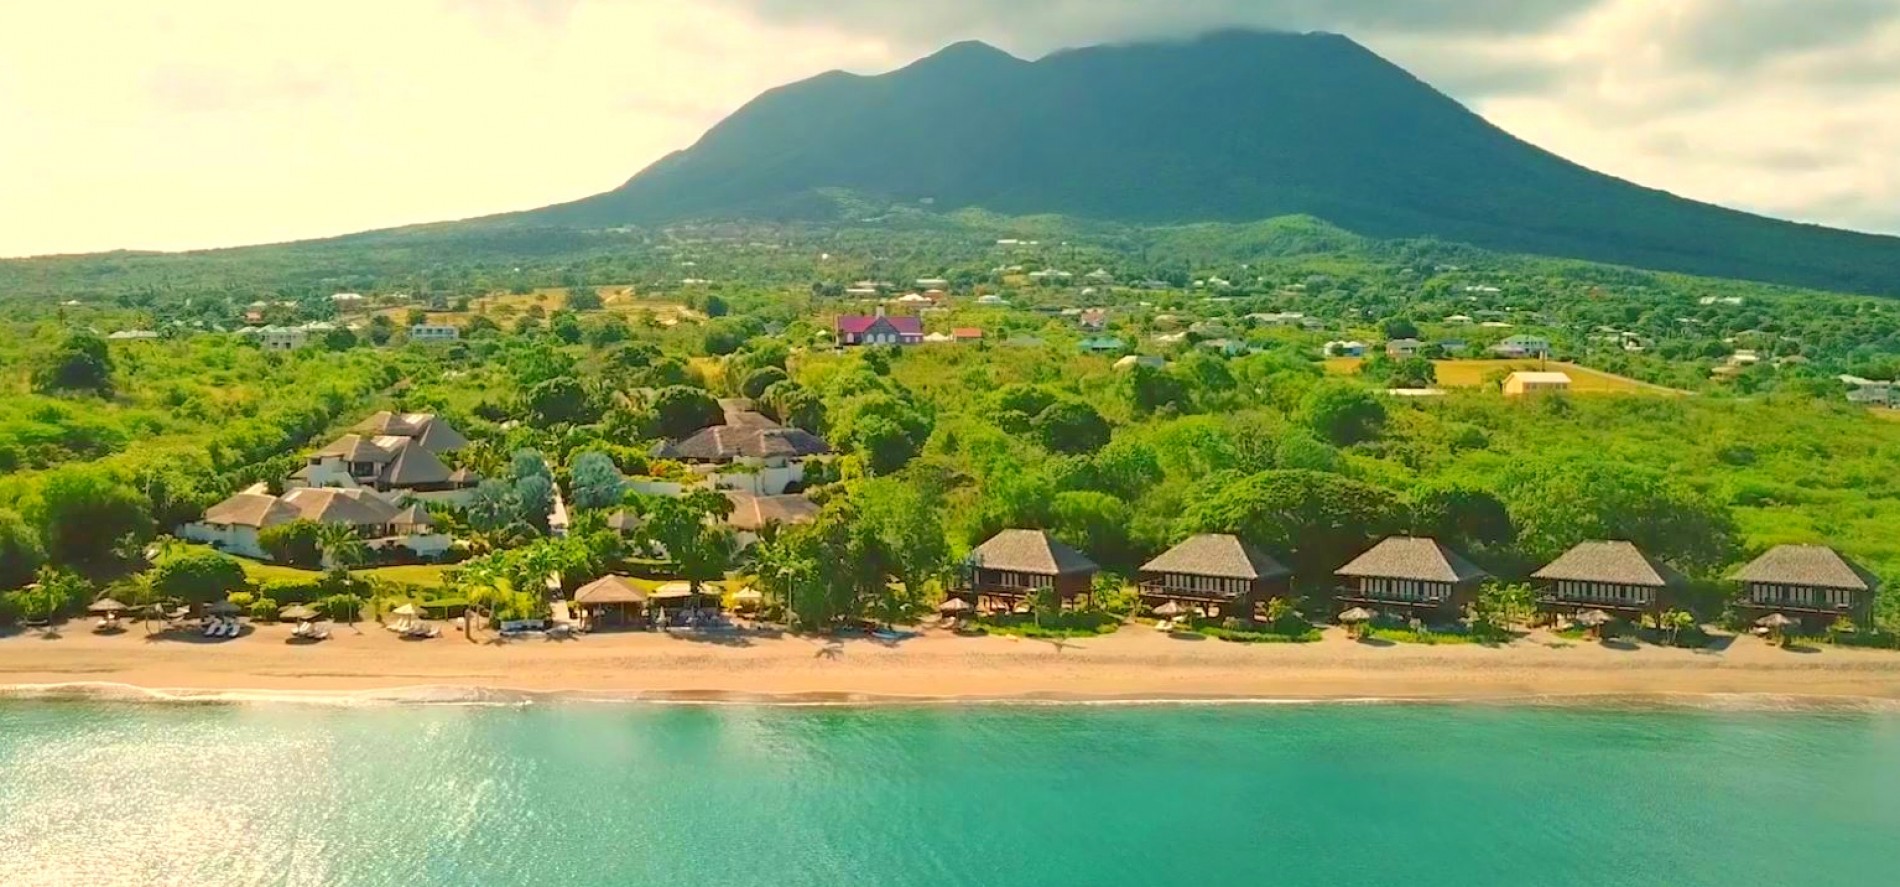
(193, 123)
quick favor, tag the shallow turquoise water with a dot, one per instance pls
(611, 794)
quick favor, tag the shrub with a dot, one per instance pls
(285, 592)
(264, 610)
(241, 599)
(340, 607)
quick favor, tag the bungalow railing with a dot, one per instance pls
(1164, 589)
(1353, 593)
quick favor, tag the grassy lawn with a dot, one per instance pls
(426, 575)
(1472, 373)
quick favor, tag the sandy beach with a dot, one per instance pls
(1133, 664)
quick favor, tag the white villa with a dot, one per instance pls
(395, 456)
(232, 526)
(434, 332)
(749, 453)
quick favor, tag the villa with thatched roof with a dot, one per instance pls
(428, 430)
(385, 463)
(749, 452)
(1014, 563)
(1414, 575)
(1812, 583)
(1612, 576)
(1218, 570)
(234, 525)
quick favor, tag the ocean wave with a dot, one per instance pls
(503, 697)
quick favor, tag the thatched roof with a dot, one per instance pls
(752, 438)
(1612, 563)
(331, 506)
(412, 465)
(754, 513)
(1409, 557)
(610, 590)
(427, 429)
(357, 448)
(413, 516)
(258, 510)
(1223, 556)
(1030, 551)
(1815, 566)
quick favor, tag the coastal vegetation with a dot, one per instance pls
(571, 366)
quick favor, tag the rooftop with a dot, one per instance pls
(1811, 565)
(1030, 551)
(1217, 555)
(1614, 563)
(1410, 557)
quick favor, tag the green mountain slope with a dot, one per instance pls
(1230, 127)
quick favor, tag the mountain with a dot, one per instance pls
(1233, 126)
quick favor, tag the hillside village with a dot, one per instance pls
(945, 445)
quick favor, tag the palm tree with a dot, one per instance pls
(342, 547)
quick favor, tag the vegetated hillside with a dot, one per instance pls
(1231, 127)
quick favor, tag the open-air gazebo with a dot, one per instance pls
(611, 600)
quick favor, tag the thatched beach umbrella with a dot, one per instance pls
(1170, 610)
(1775, 621)
(405, 610)
(1777, 624)
(106, 605)
(748, 598)
(953, 606)
(1356, 617)
(297, 613)
(223, 608)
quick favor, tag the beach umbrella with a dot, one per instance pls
(105, 605)
(748, 595)
(223, 608)
(1355, 616)
(1170, 610)
(1775, 621)
(297, 613)
(1593, 618)
(405, 610)
(953, 606)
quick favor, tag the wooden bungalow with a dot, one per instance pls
(1014, 563)
(1616, 577)
(1416, 576)
(611, 600)
(1810, 583)
(1214, 570)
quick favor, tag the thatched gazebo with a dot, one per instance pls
(611, 594)
(1355, 620)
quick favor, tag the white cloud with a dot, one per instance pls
(212, 122)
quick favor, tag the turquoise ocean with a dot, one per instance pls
(640, 794)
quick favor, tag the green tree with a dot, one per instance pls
(298, 543)
(84, 510)
(1342, 412)
(756, 382)
(561, 400)
(21, 553)
(1319, 520)
(197, 577)
(595, 481)
(1071, 426)
(583, 298)
(80, 363)
(680, 411)
(342, 547)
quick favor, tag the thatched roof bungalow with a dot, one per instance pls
(1416, 575)
(1014, 563)
(1214, 569)
(1813, 583)
(1611, 576)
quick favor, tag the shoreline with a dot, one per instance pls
(367, 666)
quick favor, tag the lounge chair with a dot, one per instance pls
(211, 628)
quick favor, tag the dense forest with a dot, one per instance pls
(580, 351)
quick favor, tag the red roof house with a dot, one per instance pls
(878, 329)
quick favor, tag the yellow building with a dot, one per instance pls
(1519, 384)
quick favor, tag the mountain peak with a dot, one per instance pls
(1231, 126)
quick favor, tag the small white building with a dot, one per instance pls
(434, 332)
